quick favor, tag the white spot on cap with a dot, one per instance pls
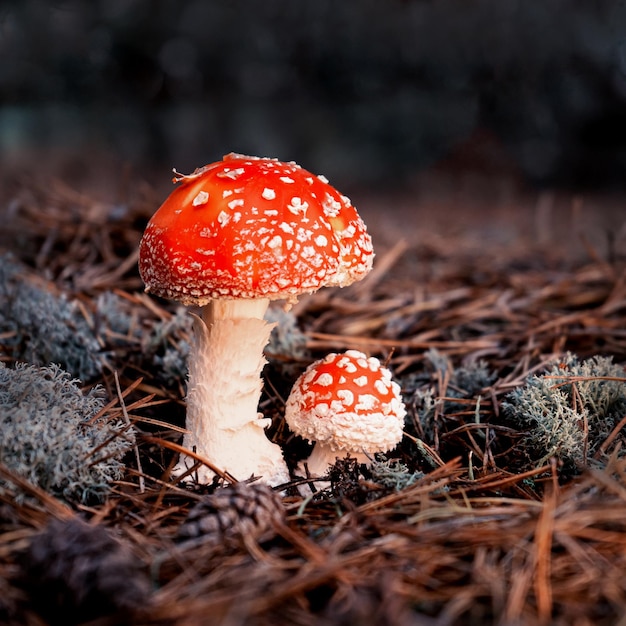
(382, 389)
(346, 397)
(373, 364)
(223, 218)
(345, 363)
(324, 379)
(201, 198)
(321, 241)
(269, 194)
(303, 235)
(361, 381)
(322, 409)
(366, 402)
(331, 207)
(275, 242)
(233, 174)
(336, 406)
(286, 179)
(235, 203)
(296, 205)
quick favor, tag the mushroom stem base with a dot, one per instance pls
(323, 457)
(224, 388)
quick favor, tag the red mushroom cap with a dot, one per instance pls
(249, 227)
(347, 402)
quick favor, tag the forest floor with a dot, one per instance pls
(480, 291)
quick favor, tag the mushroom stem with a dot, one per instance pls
(323, 456)
(224, 388)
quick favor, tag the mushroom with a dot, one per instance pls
(232, 236)
(345, 402)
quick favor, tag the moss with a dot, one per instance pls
(287, 343)
(569, 411)
(393, 473)
(41, 327)
(49, 433)
(168, 347)
(421, 391)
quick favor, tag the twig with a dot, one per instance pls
(142, 484)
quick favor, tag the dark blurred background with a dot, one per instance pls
(370, 92)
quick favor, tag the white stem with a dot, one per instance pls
(224, 388)
(323, 456)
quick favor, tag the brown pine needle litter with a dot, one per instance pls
(469, 521)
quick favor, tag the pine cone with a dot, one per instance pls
(79, 572)
(239, 510)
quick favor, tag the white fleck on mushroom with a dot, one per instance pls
(201, 198)
(237, 202)
(345, 403)
(215, 259)
(268, 194)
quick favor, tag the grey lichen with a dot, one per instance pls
(464, 381)
(468, 381)
(393, 473)
(569, 411)
(425, 405)
(287, 342)
(41, 327)
(163, 344)
(51, 434)
(115, 316)
(167, 343)
(423, 394)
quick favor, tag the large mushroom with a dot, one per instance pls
(232, 236)
(346, 404)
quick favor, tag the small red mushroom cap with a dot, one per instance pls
(347, 402)
(249, 227)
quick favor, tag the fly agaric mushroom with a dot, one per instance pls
(345, 402)
(232, 236)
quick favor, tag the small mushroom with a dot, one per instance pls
(345, 403)
(232, 236)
